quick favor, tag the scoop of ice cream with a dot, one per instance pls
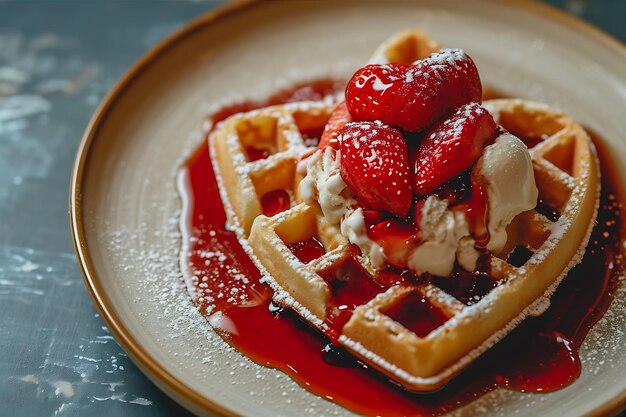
(507, 170)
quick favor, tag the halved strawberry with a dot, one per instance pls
(375, 165)
(451, 147)
(338, 119)
(414, 97)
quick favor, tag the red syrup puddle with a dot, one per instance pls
(417, 314)
(539, 355)
(312, 136)
(307, 250)
(274, 202)
(254, 153)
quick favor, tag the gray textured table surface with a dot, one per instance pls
(57, 60)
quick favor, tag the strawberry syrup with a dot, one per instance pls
(539, 355)
(275, 202)
(417, 314)
(307, 250)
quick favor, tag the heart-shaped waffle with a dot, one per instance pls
(417, 334)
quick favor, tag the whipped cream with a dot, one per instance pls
(445, 238)
(323, 183)
(354, 229)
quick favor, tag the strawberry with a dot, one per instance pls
(375, 165)
(416, 96)
(451, 147)
(338, 118)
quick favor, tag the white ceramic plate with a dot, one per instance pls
(125, 207)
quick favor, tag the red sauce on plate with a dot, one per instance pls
(540, 355)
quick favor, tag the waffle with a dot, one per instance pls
(279, 134)
(405, 48)
(554, 235)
